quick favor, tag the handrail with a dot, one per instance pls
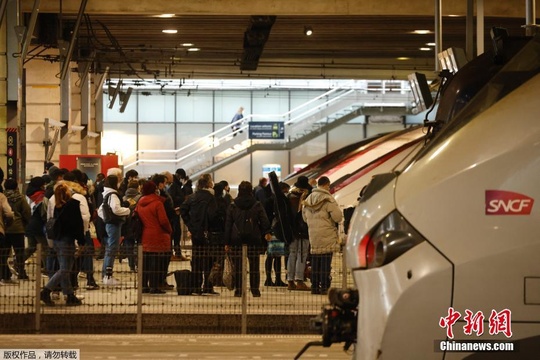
(244, 121)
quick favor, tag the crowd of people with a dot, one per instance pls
(61, 209)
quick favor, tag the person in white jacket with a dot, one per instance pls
(322, 214)
(113, 229)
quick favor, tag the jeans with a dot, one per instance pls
(111, 242)
(296, 264)
(65, 250)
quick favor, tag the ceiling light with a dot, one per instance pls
(169, 31)
(187, 44)
(193, 49)
(308, 31)
(402, 58)
(166, 15)
(426, 49)
(431, 44)
(421, 32)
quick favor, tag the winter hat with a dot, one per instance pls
(149, 188)
(181, 173)
(303, 183)
(52, 169)
(34, 185)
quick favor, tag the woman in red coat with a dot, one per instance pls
(156, 238)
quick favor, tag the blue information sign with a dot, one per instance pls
(267, 130)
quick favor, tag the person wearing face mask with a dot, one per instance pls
(177, 195)
(161, 181)
(199, 212)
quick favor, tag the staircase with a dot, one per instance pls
(222, 147)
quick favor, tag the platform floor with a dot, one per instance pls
(157, 347)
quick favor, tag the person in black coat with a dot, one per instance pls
(246, 213)
(69, 228)
(198, 212)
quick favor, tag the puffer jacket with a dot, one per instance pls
(322, 214)
(157, 230)
(21, 209)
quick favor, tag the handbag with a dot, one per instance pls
(276, 248)
(216, 273)
(50, 229)
(228, 273)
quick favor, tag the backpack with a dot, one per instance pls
(299, 226)
(246, 226)
(109, 217)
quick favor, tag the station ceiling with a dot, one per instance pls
(369, 39)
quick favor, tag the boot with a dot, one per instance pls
(291, 286)
(72, 300)
(279, 283)
(300, 285)
(268, 282)
(45, 296)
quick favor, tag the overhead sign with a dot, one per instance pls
(267, 130)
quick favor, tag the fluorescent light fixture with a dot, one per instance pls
(403, 58)
(194, 49)
(426, 49)
(92, 134)
(169, 31)
(187, 44)
(166, 15)
(422, 32)
(54, 123)
(431, 44)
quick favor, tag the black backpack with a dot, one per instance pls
(299, 226)
(246, 226)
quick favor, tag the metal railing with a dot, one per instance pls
(223, 145)
(125, 308)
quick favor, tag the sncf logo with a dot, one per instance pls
(500, 202)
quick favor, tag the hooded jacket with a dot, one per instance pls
(322, 214)
(235, 216)
(21, 209)
(156, 235)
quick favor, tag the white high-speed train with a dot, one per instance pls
(445, 252)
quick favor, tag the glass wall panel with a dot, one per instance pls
(119, 138)
(157, 136)
(270, 102)
(344, 135)
(195, 106)
(156, 107)
(227, 103)
(114, 114)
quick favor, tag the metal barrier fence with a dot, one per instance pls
(127, 307)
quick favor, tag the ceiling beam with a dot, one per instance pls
(279, 7)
